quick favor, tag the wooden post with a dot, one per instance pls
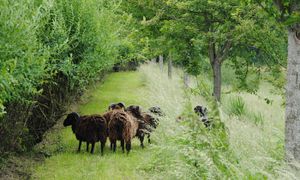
(186, 79)
(170, 66)
(161, 62)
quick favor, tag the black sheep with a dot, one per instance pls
(108, 115)
(119, 105)
(156, 110)
(89, 129)
(145, 122)
(111, 107)
(121, 127)
(202, 113)
(151, 123)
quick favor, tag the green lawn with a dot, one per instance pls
(66, 163)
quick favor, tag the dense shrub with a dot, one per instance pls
(50, 51)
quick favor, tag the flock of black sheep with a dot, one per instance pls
(119, 123)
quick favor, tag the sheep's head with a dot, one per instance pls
(153, 121)
(71, 119)
(114, 106)
(135, 110)
(156, 110)
(200, 111)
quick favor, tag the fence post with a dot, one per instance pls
(186, 79)
(170, 66)
(161, 62)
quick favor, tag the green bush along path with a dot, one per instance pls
(124, 87)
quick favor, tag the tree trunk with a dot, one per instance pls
(216, 62)
(170, 68)
(292, 122)
(217, 79)
(161, 62)
(186, 79)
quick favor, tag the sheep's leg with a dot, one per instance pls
(128, 146)
(114, 145)
(122, 145)
(102, 147)
(93, 146)
(142, 140)
(79, 146)
(149, 141)
(111, 146)
(87, 146)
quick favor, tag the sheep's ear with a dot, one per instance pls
(121, 104)
(110, 107)
(198, 109)
(195, 109)
(76, 115)
(71, 118)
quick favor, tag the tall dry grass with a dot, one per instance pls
(187, 150)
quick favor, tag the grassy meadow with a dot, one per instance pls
(180, 150)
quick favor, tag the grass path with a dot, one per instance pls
(67, 164)
(179, 150)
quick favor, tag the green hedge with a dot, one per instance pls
(49, 52)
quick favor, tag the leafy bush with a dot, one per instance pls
(50, 51)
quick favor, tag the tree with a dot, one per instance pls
(229, 30)
(289, 14)
(292, 124)
(197, 29)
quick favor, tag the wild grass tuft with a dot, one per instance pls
(236, 106)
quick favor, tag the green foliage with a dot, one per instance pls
(284, 11)
(294, 18)
(22, 62)
(82, 39)
(236, 31)
(50, 51)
